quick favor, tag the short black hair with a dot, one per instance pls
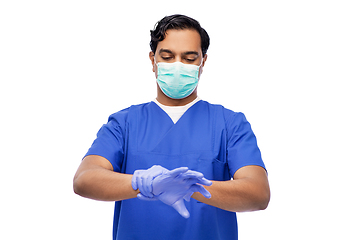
(178, 22)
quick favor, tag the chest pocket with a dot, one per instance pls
(214, 169)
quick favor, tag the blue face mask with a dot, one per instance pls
(177, 80)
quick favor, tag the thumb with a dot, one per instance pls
(187, 197)
(142, 197)
(180, 207)
(200, 189)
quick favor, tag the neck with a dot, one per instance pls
(165, 100)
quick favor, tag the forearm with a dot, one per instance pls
(103, 184)
(234, 196)
(249, 191)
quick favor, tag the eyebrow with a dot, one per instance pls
(165, 50)
(191, 52)
(162, 50)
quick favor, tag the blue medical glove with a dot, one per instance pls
(174, 186)
(142, 179)
(197, 175)
(202, 181)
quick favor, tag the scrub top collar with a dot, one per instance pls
(175, 112)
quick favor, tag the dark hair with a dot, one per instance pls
(178, 22)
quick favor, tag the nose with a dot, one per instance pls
(178, 59)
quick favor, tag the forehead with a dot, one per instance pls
(179, 41)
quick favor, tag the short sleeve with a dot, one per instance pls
(109, 142)
(242, 148)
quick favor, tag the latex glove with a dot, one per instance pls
(201, 180)
(142, 179)
(174, 186)
(174, 195)
(177, 184)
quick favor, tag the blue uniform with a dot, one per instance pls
(207, 138)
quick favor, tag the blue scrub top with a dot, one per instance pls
(207, 138)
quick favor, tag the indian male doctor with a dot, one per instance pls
(177, 167)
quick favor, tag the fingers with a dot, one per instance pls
(145, 186)
(193, 174)
(143, 179)
(198, 176)
(180, 207)
(200, 189)
(177, 171)
(134, 183)
(142, 197)
(170, 187)
(135, 179)
(191, 180)
(204, 181)
(148, 177)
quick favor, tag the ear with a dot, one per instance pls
(204, 60)
(203, 64)
(152, 59)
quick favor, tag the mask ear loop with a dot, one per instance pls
(202, 60)
(156, 64)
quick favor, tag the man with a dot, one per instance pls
(149, 158)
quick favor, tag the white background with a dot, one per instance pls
(293, 68)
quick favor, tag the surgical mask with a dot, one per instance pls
(177, 80)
